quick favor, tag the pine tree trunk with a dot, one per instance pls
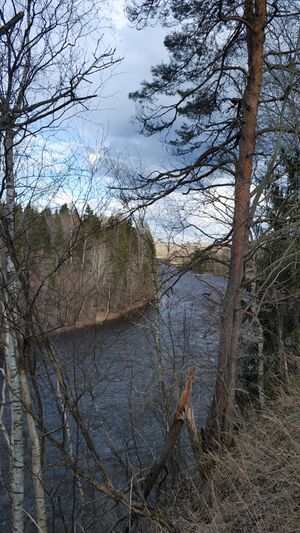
(220, 421)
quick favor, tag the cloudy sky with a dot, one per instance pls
(109, 127)
(113, 120)
(141, 50)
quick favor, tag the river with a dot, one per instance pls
(113, 372)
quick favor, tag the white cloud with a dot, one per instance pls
(94, 157)
(196, 218)
(117, 14)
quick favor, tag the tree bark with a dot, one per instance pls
(260, 343)
(12, 357)
(17, 444)
(36, 455)
(7, 26)
(16, 376)
(194, 436)
(172, 436)
(260, 364)
(284, 371)
(220, 421)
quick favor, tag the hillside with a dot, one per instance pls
(255, 485)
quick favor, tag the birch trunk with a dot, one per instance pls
(12, 356)
(220, 421)
(36, 457)
(83, 253)
(17, 444)
(17, 378)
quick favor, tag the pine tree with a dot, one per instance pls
(91, 223)
(218, 100)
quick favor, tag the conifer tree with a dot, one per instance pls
(210, 100)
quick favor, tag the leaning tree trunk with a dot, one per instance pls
(220, 421)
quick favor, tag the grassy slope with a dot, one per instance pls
(255, 486)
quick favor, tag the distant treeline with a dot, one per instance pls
(83, 268)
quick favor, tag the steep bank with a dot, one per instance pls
(255, 486)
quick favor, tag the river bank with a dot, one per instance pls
(111, 371)
(104, 318)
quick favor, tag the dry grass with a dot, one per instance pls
(256, 486)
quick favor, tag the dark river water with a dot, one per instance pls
(115, 372)
(116, 364)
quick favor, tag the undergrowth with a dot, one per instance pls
(255, 486)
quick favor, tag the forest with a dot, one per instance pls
(139, 395)
(83, 269)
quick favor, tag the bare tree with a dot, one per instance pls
(43, 74)
(7, 26)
